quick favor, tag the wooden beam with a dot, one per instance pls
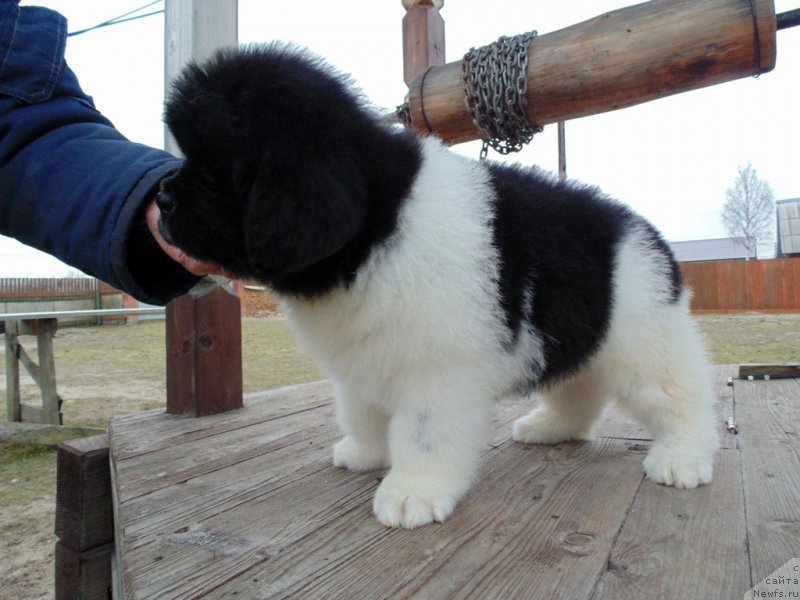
(423, 37)
(773, 371)
(204, 355)
(616, 60)
(84, 519)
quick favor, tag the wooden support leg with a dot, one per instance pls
(13, 411)
(84, 519)
(51, 403)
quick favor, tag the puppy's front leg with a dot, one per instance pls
(436, 436)
(365, 426)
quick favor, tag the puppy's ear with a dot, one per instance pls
(297, 217)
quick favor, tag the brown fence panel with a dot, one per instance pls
(731, 286)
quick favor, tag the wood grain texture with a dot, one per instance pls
(204, 352)
(769, 425)
(83, 493)
(618, 59)
(682, 543)
(423, 39)
(763, 285)
(247, 504)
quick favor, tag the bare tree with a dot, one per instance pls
(749, 210)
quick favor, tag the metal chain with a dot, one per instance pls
(495, 85)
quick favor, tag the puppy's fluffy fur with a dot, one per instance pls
(427, 285)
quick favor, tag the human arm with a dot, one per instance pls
(70, 183)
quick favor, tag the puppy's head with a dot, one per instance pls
(276, 149)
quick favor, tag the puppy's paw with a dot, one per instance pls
(541, 427)
(408, 502)
(671, 464)
(351, 455)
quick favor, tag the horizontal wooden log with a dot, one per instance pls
(616, 60)
(774, 371)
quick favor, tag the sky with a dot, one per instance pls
(670, 159)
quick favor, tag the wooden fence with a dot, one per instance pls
(28, 294)
(734, 286)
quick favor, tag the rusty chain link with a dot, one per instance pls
(495, 85)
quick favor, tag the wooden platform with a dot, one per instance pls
(248, 505)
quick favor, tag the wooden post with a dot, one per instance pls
(562, 151)
(423, 37)
(84, 519)
(43, 373)
(616, 60)
(13, 409)
(204, 354)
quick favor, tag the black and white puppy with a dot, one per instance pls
(427, 285)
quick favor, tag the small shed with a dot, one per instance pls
(788, 215)
(714, 249)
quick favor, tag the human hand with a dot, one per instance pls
(193, 265)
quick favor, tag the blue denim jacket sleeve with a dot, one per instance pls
(70, 183)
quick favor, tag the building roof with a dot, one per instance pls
(788, 226)
(716, 249)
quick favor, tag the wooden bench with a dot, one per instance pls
(43, 326)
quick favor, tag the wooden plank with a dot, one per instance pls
(773, 371)
(148, 428)
(85, 575)
(61, 314)
(682, 543)
(526, 526)
(83, 494)
(769, 426)
(11, 342)
(307, 518)
(182, 462)
(43, 434)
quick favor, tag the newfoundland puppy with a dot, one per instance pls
(427, 285)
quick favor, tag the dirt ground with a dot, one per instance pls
(103, 371)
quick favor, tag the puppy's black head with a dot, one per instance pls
(288, 178)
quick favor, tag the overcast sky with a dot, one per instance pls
(670, 159)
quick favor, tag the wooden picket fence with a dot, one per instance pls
(771, 285)
(34, 288)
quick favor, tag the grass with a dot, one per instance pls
(752, 338)
(105, 371)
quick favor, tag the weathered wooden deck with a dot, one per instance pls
(248, 504)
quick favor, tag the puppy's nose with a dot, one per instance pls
(165, 202)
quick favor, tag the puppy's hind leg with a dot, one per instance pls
(567, 411)
(671, 395)
(365, 425)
